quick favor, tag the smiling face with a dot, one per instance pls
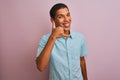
(63, 18)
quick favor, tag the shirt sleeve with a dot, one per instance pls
(41, 45)
(84, 49)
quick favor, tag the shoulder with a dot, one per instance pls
(45, 37)
(78, 36)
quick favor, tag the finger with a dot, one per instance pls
(53, 24)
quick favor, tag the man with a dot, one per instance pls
(62, 49)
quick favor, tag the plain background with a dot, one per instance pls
(23, 22)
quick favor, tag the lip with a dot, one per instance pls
(66, 25)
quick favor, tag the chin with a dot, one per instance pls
(67, 29)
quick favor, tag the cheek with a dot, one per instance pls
(60, 21)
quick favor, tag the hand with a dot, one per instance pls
(58, 31)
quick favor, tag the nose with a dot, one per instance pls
(66, 19)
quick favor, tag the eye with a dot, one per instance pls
(60, 16)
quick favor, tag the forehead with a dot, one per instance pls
(62, 11)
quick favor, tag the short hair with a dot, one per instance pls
(56, 7)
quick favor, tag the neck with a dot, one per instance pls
(67, 32)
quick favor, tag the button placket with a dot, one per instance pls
(69, 47)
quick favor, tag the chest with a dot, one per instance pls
(66, 48)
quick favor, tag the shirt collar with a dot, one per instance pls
(71, 34)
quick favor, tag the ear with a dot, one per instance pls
(52, 19)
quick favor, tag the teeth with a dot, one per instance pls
(66, 24)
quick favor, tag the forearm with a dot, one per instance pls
(83, 67)
(43, 59)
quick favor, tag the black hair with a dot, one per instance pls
(56, 7)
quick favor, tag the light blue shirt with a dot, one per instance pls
(65, 56)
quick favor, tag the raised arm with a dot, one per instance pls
(44, 57)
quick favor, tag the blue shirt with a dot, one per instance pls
(65, 56)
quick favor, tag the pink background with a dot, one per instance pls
(23, 22)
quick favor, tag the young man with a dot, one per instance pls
(62, 49)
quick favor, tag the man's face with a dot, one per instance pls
(63, 18)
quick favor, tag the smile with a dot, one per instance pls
(66, 24)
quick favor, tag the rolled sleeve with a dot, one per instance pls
(84, 49)
(41, 45)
